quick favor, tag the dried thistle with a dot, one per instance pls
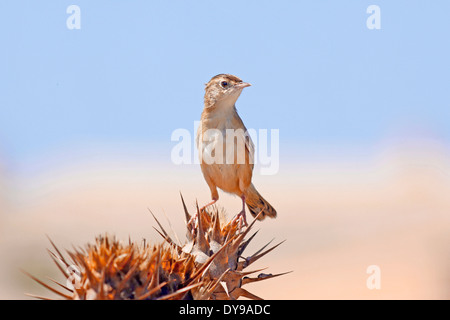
(209, 265)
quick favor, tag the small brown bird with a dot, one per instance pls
(230, 171)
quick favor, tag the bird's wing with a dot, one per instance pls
(250, 148)
(245, 136)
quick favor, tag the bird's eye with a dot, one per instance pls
(224, 84)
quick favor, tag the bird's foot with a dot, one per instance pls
(241, 217)
(193, 221)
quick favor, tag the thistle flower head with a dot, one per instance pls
(209, 265)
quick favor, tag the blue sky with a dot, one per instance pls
(135, 72)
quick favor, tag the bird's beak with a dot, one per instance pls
(242, 85)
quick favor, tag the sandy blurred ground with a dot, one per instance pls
(338, 217)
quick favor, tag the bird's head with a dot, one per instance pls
(223, 89)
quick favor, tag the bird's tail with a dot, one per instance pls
(256, 203)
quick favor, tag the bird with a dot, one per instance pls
(221, 129)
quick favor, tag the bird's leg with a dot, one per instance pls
(208, 204)
(241, 215)
(194, 217)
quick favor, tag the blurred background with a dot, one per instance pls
(86, 118)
